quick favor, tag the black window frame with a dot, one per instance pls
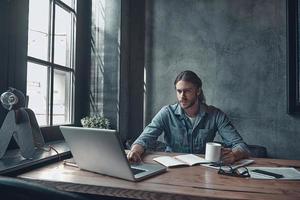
(132, 27)
(293, 79)
(13, 46)
(51, 65)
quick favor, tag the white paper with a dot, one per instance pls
(186, 159)
(236, 165)
(289, 173)
(168, 161)
(191, 159)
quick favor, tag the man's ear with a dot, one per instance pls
(199, 91)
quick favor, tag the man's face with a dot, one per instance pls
(187, 94)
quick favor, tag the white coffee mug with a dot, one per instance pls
(213, 152)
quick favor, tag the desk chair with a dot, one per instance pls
(18, 189)
(258, 151)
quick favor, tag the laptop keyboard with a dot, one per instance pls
(136, 171)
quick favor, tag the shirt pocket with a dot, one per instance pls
(201, 137)
(178, 139)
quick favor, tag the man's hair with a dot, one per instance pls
(193, 78)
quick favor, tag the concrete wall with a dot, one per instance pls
(238, 48)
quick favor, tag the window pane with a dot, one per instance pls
(38, 30)
(62, 98)
(37, 90)
(62, 40)
(105, 59)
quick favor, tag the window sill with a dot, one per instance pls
(13, 163)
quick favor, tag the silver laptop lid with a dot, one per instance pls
(100, 150)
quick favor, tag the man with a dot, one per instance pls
(189, 124)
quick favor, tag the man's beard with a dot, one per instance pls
(189, 105)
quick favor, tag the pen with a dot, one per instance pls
(73, 164)
(268, 173)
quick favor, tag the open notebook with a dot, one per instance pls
(180, 160)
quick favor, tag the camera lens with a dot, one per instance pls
(8, 99)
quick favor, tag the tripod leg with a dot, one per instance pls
(6, 132)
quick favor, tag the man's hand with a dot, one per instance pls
(135, 154)
(229, 156)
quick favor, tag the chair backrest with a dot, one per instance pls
(18, 189)
(258, 151)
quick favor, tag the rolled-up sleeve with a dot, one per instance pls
(152, 131)
(230, 136)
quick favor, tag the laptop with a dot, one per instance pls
(100, 151)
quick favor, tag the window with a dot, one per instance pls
(51, 60)
(105, 59)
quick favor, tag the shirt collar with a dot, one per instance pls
(180, 112)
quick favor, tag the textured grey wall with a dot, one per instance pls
(238, 48)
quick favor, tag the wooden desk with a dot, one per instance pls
(195, 182)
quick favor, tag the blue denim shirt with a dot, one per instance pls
(181, 136)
